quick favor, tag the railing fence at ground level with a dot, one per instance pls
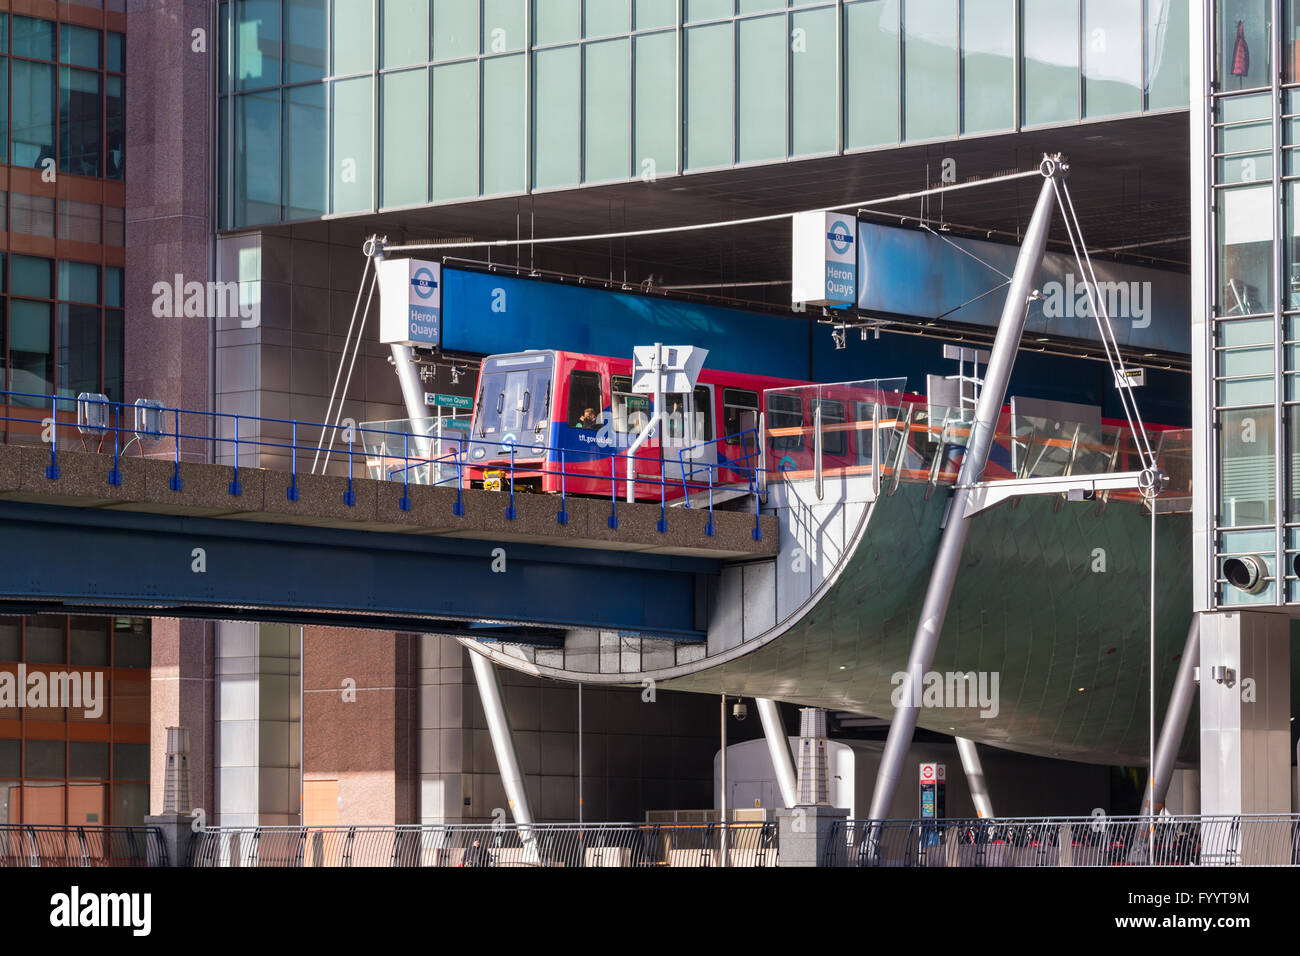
(37, 845)
(1195, 841)
(1201, 841)
(461, 845)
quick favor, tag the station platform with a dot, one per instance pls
(146, 485)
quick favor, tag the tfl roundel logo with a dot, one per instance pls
(840, 236)
(424, 283)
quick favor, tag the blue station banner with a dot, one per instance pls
(912, 273)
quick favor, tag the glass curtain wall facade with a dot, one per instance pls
(73, 765)
(64, 330)
(62, 138)
(360, 105)
(1253, 279)
(63, 97)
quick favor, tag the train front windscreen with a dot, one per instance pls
(513, 407)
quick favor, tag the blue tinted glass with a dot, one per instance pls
(33, 113)
(257, 158)
(78, 46)
(81, 132)
(34, 38)
(113, 285)
(257, 44)
(32, 276)
(305, 148)
(114, 360)
(78, 282)
(115, 54)
(305, 51)
(114, 128)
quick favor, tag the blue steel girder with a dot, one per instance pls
(96, 561)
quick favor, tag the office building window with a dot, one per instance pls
(988, 65)
(61, 99)
(86, 763)
(1050, 61)
(1242, 44)
(64, 333)
(595, 92)
(871, 84)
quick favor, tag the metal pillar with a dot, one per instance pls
(581, 808)
(722, 792)
(979, 791)
(939, 592)
(1175, 723)
(503, 742)
(778, 745)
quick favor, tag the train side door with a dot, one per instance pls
(630, 413)
(740, 432)
(688, 438)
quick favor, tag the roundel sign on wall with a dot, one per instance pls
(410, 303)
(841, 237)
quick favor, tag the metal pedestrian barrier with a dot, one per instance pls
(33, 845)
(1202, 841)
(539, 845)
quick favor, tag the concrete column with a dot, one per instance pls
(181, 695)
(446, 746)
(1246, 713)
(257, 730)
(810, 836)
(169, 99)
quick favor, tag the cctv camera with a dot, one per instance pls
(740, 711)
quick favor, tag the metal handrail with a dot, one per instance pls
(1165, 840)
(229, 430)
(75, 845)
(746, 844)
(118, 413)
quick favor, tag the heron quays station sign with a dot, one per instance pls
(410, 303)
(825, 267)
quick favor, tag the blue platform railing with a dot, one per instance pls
(857, 429)
(105, 420)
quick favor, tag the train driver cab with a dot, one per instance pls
(513, 406)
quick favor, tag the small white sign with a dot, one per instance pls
(1130, 378)
(824, 270)
(934, 773)
(410, 303)
(681, 368)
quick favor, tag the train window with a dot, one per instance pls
(785, 411)
(631, 412)
(586, 403)
(833, 437)
(703, 413)
(675, 418)
(865, 412)
(510, 403)
(739, 413)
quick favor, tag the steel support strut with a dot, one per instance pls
(979, 790)
(944, 575)
(1175, 723)
(779, 747)
(503, 741)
